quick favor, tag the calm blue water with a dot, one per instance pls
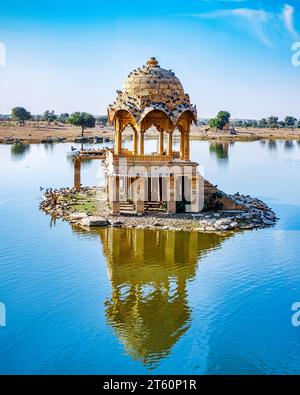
(134, 301)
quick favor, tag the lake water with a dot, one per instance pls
(117, 301)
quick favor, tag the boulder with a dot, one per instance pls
(94, 221)
(116, 224)
(77, 216)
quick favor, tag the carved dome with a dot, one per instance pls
(151, 83)
(152, 88)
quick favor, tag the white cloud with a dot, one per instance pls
(255, 19)
(260, 22)
(288, 15)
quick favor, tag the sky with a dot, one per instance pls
(71, 56)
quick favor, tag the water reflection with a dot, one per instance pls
(220, 150)
(149, 271)
(272, 145)
(19, 151)
(289, 145)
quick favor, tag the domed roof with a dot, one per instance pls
(152, 88)
(153, 83)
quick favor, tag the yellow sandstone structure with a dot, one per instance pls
(165, 180)
(152, 96)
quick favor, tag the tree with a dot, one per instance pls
(273, 122)
(290, 121)
(263, 123)
(49, 116)
(282, 124)
(82, 119)
(220, 121)
(63, 118)
(213, 124)
(20, 114)
(298, 124)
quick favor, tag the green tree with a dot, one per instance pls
(20, 114)
(282, 124)
(82, 119)
(213, 124)
(290, 121)
(63, 118)
(220, 121)
(298, 124)
(223, 118)
(49, 116)
(263, 123)
(273, 122)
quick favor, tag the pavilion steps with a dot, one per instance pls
(127, 207)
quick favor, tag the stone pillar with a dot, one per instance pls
(77, 171)
(135, 142)
(118, 137)
(170, 143)
(141, 142)
(161, 142)
(139, 195)
(106, 186)
(195, 194)
(118, 142)
(182, 144)
(171, 204)
(187, 146)
(114, 194)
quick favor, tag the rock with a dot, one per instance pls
(77, 216)
(116, 224)
(93, 221)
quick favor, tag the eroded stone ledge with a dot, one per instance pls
(88, 208)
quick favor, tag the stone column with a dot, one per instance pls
(141, 142)
(115, 194)
(161, 142)
(77, 171)
(106, 186)
(139, 195)
(135, 142)
(195, 194)
(118, 142)
(171, 204)
(187, 146)
(182, 144)
(170, 143)
(118, 137)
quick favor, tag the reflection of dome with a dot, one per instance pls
(152, 88)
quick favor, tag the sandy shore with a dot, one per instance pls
(35, 134)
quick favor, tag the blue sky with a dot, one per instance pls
(73, 55)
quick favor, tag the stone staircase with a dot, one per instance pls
(127, 207)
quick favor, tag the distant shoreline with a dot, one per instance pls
(68, 133)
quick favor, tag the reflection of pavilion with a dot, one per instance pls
(149, 272)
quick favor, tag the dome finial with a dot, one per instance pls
(152, 61)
